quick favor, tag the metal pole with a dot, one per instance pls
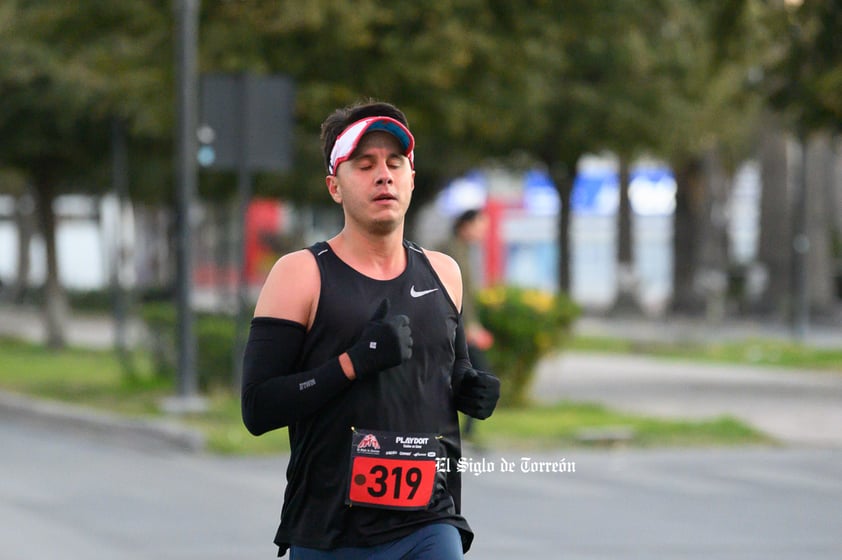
(187, 21)
(244, 195)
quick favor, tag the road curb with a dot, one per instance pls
(144, 432)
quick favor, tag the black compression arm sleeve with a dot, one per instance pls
(273, 395)
(463, 360)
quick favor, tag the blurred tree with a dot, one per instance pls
(821, 288)
(14, 184)
(630, 119)
(66, 70)
(706, 53)
(803, 78)
(566, 53)
(666, 78)
(775, 236)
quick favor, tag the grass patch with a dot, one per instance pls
(566, 423)
(92, 378)
(223, 427)
(757, 352)
(97, 379)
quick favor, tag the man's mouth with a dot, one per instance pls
(384, 196)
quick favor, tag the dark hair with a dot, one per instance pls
(464, 219)
(342, 118)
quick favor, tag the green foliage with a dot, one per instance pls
(477, 79)
(527, 325)
(215, 341)
(67, 70)
(804, 75)
(90, 377)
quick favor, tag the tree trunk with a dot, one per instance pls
(836, 205)
(774, 251)
(55, 303)
(819, 256)
(836, 193)
(627, 286)
(563, 176)
(24, 216)
(713, 262)
(689, 198)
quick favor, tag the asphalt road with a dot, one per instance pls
(68, 494)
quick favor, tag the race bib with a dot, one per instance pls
(392, 470)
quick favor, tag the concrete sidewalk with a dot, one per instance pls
(795, 407)
(83, 330)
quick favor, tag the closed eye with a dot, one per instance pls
(365, 163)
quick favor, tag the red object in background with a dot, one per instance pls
(495, 260)
(263, 219)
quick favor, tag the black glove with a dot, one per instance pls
(385, 342)
(475, 392)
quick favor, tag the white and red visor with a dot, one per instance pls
(347, 142)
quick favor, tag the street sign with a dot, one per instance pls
(246, 120)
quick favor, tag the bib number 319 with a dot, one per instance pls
(392, 470)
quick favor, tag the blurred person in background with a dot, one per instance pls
(357, 346)
(469, 230)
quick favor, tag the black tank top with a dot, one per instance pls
(413, 397)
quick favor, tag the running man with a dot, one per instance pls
(357, 346)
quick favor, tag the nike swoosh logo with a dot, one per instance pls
(413, 293)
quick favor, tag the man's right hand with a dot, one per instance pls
(385, 342)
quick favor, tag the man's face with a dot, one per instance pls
(375, 185)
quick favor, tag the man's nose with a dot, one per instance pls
(384, 174)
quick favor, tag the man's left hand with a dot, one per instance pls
(475, 392)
